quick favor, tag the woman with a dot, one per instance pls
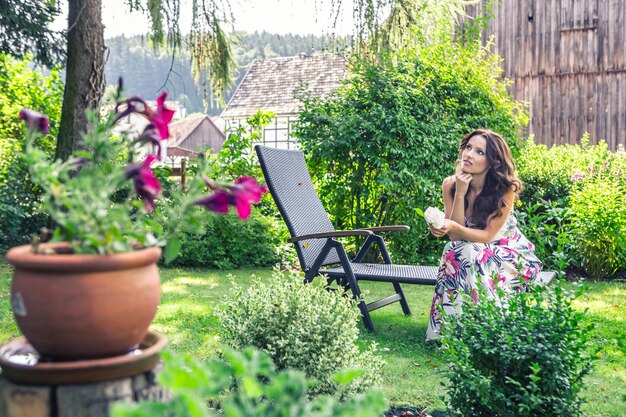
(487, 251)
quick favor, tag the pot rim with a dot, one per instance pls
(23, 257)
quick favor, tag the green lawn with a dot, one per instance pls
(412, 374)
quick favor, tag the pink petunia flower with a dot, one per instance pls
(151, 135)
(146, 184)
(217, 202)
(244, 193)
(161, 117)
(35, 120)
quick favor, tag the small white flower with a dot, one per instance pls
(434, 217)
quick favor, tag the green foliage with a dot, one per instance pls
(230, 243)
(547, 172)
(384, 143)
(250, 386)
(301, 326)
(547, 225)
(237, 157)
(25, 30)
(573, 205)
(22, 87)
(527, 358)
(598, 207)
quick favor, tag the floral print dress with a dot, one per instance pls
(508, 262)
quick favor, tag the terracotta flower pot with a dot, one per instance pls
(73, 307)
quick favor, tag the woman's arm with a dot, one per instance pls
(454, 206)
(457, 231)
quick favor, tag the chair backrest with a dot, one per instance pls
(289, 182)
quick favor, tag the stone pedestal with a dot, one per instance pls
(81, 400)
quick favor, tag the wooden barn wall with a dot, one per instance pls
(567, 59)
(205, 136)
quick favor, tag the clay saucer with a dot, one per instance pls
(20, 363)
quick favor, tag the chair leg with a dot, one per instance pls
(367, 319)
(351, 282)
(385, 254)
(405, 306)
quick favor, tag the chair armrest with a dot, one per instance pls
(325, 235)
(390, 228)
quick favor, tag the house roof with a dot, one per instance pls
(271, 83)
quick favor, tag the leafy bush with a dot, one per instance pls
(383, 144)
(547, 172)
(547, 224)
(573, 205)
(230, 243)
(301, 326)
(527, 358)
(250, 386)
(598, 207)
(22, 87)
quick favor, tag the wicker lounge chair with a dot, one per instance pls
(315, 238)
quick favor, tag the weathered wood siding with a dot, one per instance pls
(205, 136)
(567, 59)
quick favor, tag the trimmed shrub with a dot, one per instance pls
(301, 326)
(527, 358)
(547, 172)
(598, 207)
(231, 243)
(383, 144)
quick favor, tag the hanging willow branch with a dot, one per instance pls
(379, 26)
(213, 62)
(392, 25)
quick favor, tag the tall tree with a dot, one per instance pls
(84, 81)
(212, 57)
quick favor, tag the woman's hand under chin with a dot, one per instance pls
(449, 226)
(462, 180)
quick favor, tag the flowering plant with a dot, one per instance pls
(103, 199)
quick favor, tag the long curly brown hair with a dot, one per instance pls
(501, 177)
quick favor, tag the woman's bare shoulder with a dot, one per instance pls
(448, 182)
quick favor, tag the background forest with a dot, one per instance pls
(146, 70)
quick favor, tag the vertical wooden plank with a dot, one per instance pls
(621, 135)
(23, 401)
(603, 13)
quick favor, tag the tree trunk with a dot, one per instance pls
(84, 81)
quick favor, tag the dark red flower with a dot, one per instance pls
(35, 120)
(217, 202)
(146, 184)
(152, 136)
